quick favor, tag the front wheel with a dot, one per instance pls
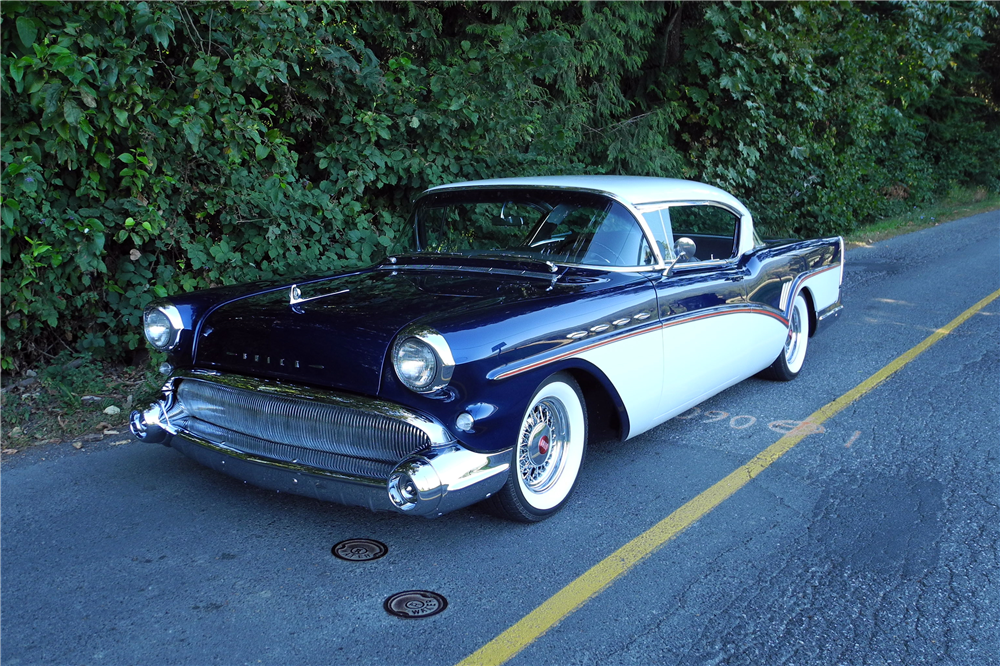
(789, 362)
(548, 453)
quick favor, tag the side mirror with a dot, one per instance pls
(684, 249)
(685, 246)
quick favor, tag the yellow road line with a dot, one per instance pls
(605, 572)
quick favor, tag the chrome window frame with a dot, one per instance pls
(737, 237)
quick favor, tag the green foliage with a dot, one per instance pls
(155, 148)
(68, 379)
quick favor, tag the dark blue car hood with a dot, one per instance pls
(340, 334)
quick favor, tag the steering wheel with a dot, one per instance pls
(601, 252)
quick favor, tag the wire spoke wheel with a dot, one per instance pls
(548, 453)
(542, 447)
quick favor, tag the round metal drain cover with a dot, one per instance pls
(415, 603)
(360, 550)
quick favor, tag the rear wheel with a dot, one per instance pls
(789, 362)
(548, 453)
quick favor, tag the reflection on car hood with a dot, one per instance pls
(337, 333)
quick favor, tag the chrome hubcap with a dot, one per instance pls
(794, 336)
(542, 445)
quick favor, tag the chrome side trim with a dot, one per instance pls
(798, 282)
(831, 311)
(826, 317)
(584, 344)
(578, 345)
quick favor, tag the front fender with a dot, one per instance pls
(498, 405)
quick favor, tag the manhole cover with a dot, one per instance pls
(415, 603)
(359, 550)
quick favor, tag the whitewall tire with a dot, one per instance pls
(793, 355)
(548, 453)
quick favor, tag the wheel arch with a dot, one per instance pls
(606, 413)
(607, 416)
(811, 306)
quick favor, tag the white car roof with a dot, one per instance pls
(636, 190)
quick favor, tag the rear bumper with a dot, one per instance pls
(443, 478)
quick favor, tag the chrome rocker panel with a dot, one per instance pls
(828, 316)
(441, 479)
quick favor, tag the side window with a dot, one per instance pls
(658, 221)
(713, 230)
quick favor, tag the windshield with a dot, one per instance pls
(548, 225)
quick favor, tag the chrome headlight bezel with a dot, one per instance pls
(175, 324)
(432, 341)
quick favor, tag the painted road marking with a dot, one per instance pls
(601, 575)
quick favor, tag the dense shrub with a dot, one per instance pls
(152, 148)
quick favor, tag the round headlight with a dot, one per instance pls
(415, 363)
(162, 326)
(422, 359)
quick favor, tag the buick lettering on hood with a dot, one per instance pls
(532, 313)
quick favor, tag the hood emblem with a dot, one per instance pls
(295, 295)
(273, 360)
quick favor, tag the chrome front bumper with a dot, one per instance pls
(442, 477)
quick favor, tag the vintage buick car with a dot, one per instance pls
(532, 311)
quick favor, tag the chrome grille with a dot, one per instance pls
(305, 424)
(372, 469)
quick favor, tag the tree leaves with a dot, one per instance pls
(27, 30)
(245, 141)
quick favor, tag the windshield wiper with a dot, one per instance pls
(527, 257)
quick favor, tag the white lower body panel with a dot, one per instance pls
(824, 287)
(661, 374)
(635, 368)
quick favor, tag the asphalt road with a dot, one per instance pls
(874, 541)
